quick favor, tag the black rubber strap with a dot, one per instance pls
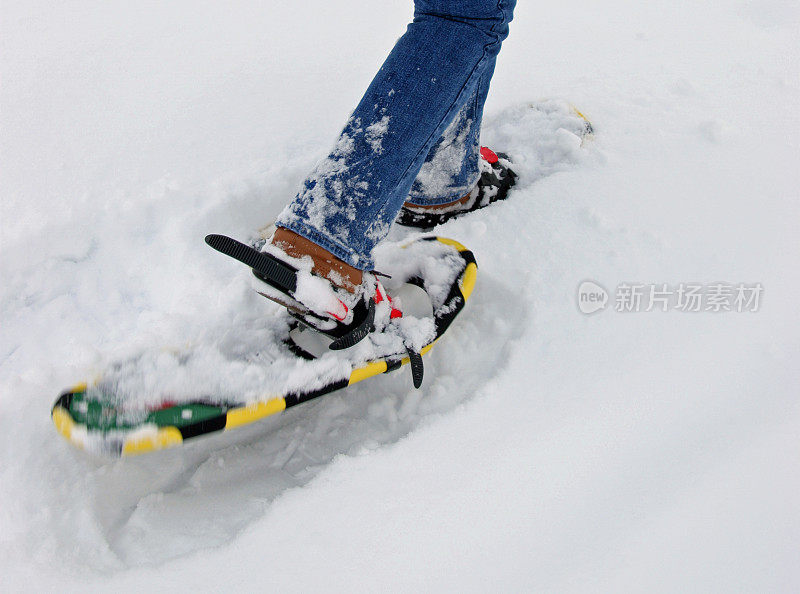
(358, 332)
(281, 275)
(417, 368)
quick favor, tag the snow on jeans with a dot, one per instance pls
(413, 136)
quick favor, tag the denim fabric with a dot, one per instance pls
(414, 135)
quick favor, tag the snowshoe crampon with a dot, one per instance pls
(112, 417)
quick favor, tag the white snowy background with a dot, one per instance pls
(548, 450)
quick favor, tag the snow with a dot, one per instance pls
(548, 450)
(375, 135)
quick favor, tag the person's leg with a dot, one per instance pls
(450, 170)
(349, 202)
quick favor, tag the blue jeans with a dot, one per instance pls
(413, 136)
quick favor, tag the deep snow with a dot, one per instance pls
(548, 450)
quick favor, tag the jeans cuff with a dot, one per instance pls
(420, 199)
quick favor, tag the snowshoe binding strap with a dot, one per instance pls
(268, 268)
(417, 367)
(358, 330)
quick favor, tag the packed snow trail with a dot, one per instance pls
(650, 451)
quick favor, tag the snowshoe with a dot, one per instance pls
(258, 365)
